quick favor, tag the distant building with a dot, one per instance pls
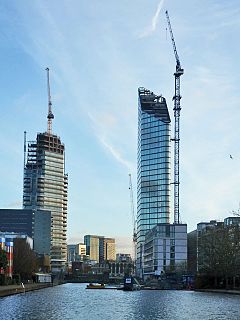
(100, 248)
(109, 249)
(71, 252)
(46, 186)
(165, 249)
(81, 249)
(124, 257)
(92, 246)
(230, 221)
(119, 269)
(34, 223)
(153, 167)
(76, 252)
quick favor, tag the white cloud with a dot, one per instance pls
(104, 124)
(115, 153)
(150, 29)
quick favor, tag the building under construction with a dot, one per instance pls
(46, 186)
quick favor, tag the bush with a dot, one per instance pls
(2, 280)
(16, 279)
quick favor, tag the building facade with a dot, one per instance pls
(153, 185)
(92, 247)
(45, 187)
(165, 249)
(76, 252)
(34, 223)
(99, 248)
(110, 249)
(124, 257)
(81, 249)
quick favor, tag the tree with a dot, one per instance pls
(3, 259)
(24, 259)
(219, 253)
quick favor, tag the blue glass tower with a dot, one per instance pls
(153, 186)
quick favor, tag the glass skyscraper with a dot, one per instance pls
(153, 185)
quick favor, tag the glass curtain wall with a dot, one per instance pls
(153, 198)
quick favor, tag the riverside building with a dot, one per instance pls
(34, 223)
(46, 185)
(165, 249)
(153, 185)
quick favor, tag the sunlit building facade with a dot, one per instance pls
(92, 246)
(45, 187)
(109, 249)
(153, 185)
(99, 248)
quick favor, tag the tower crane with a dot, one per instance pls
(133, 217)
(177, 109)
(50, 116)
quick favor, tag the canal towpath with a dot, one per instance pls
(19, 288)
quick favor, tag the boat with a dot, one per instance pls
(96, 286)
(131, 284)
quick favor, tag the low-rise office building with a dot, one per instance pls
(165, 249)
(34, 223)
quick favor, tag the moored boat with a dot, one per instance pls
(131, 284)
(95, 286)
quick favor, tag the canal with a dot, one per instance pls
(73, 301)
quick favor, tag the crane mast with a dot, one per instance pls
(50, 114)
(133, 217)
(177, 109)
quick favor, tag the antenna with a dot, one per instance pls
(50, 114)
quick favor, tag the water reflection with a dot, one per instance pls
(72, 301)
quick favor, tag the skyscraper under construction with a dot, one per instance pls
(153, 201)
(46, 185)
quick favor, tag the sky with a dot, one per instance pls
(99, 53)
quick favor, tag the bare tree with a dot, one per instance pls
(24, 259)
(3, 259)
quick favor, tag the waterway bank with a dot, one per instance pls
(237, 292)
(16, 289)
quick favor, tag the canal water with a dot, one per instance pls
(73, 301)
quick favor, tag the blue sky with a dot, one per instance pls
(99, 53)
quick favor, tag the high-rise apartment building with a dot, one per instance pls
(46, 185)
(100, 248)
(109, 249)
(153, 185)
(92, 246)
